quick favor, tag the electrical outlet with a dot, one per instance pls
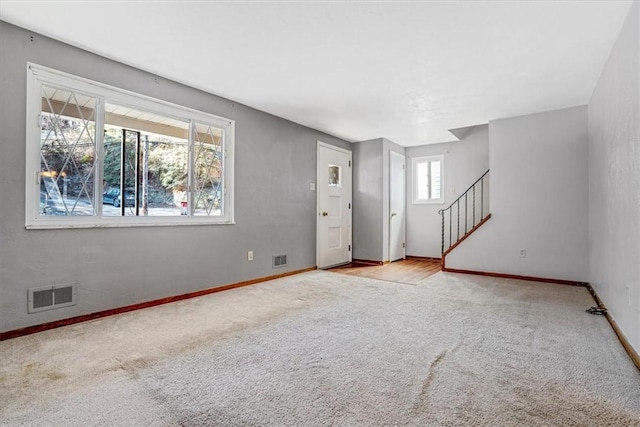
(312, 186)
(522, 253)
(250, 256)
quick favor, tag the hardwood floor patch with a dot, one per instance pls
(411, 270)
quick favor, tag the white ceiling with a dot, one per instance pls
(406, 71)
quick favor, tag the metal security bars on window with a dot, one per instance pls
(208, 143)
(67, 153)
(104, 157)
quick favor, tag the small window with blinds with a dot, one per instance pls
(428, 179)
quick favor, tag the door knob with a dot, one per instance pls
(325, 213)
(393, 214)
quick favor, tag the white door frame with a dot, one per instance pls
(350, 196)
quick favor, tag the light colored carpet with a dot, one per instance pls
(328, 349)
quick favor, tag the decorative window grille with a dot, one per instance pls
(105, 157)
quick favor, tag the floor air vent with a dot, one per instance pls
(279, 261)
(50, 297)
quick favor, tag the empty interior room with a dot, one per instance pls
(319, 213)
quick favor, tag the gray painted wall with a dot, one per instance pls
(614, 181)
(371, 198)
(275, 210)
(387, 147)
(464, 162)
(368, 185)
(538, 197)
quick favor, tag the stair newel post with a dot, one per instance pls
(441, 212)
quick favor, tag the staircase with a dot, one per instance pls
(465, 215)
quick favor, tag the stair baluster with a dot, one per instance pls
(470, 224)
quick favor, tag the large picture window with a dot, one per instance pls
(102, 156)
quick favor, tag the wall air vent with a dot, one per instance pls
(279, 261)
(50, 297)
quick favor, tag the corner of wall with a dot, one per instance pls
(614, 176)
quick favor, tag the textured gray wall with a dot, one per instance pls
(371, 198)
(614, 181)
(387, 146)
(275, 210)
(538, 197)
(367, 200)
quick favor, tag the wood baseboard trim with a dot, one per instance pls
(368, 262)
(111, 312)
(633, 354)
(424, 258)
(516, 277)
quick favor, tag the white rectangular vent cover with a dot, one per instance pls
(279, 261)
(50, 297)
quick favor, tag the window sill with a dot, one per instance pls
(119, 222)
(428, 202)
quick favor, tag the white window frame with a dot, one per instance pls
(38, 75)
(414, 171)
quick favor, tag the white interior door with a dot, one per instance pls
(397, 221)
(333, 205)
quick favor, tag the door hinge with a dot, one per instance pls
(349, 205)
(403, 246)
(349, 248)
(349, 163)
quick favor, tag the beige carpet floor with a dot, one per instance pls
(322, 349)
